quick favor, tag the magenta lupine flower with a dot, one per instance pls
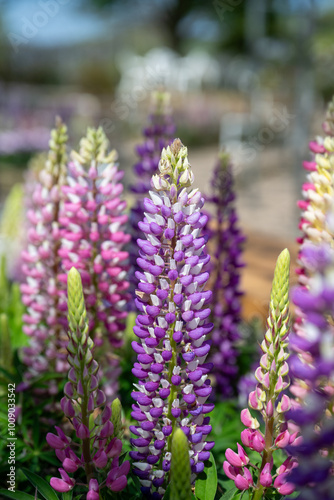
(42, 293)
(93, 242)
(268, 398)
(314, 475)
(172, 326)
(158, 134)
(100, 449)
(318, 194)
(225, 278)
(94, 238)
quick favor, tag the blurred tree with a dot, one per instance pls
(4, 51)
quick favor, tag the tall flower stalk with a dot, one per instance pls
(93, 241)
(228, 238)
(313, 476)
(267, 399)
(318, 195)
(42, 293)
(83, 404)
(157, 134)
(172, 326)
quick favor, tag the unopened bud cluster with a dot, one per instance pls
(269, 399)
(100, 449)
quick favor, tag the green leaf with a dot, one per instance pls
(43, 487)
(68, 495)
(18, 495)
(206, 483)
(228, 495)
(167, 493)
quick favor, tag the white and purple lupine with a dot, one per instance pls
(172, 326)
(158, 134)
(42, 293)
(225, 277)
(313, 477)
(84, 405)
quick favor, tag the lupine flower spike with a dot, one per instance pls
(180, 473)
(83, 404)
(158, 135)
(93, 242)
(318, 194)
(225, 277)
(314, 475)
(172, 326)
(42, 293)
(272, 377)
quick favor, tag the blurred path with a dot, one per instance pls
(260, 255)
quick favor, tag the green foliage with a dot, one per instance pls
(11, 305)
(17, 495)
(41, 485)
(206, 482)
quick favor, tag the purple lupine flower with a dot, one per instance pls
(23, 140)
(172, 326)
(313, 364)
(225, 281)
(42, 293)
(93, 241)
(84, 405)
(158, 135)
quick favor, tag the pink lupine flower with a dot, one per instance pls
(272, 380)
(42, 293)
(93, 242)
(316, 228)
(93, 493)
(66, 483)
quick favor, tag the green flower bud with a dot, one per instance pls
(77, 315)
(180, 473)
(279, 299)
(94, 148)
(116, 418)
(56, 163)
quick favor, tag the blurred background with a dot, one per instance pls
(249, 75)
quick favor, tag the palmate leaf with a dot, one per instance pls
(42, 486)
(206, 482)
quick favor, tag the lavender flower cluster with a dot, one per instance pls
(158, 134)
(228, 238)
